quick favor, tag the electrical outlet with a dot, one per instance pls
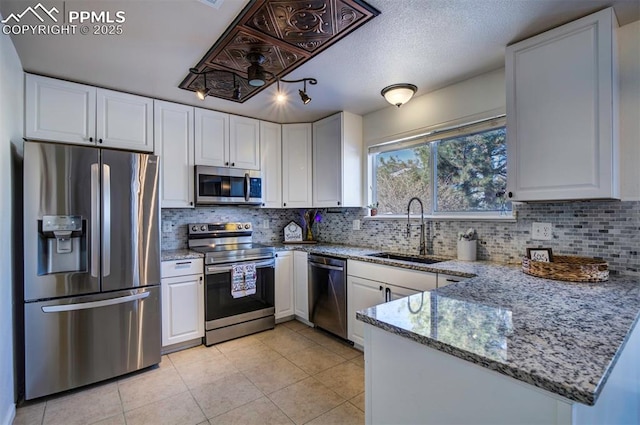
(265, 223)
(356, 224)
(167, 226)
(542, 231)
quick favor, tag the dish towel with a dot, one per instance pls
(243, 280)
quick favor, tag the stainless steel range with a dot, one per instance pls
(240, 279)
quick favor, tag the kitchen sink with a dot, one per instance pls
(404, 257)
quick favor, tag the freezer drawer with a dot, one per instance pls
(81, 340)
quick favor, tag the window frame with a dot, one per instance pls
(443, 134)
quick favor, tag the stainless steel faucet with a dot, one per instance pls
(423, 244)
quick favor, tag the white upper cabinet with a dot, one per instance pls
(76, 113)
(271, 164)
(244, 143)
(174, 145)
(211, 138)
(562, 116)
(337, 161)
(296, 166)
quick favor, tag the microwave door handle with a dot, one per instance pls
(247, 187)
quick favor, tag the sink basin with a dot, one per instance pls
(403, 257)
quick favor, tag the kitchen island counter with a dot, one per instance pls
(562, 337)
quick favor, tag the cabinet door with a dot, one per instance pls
(211, 138)
(182, 309)
(296, 166)
(284, 285)
(174, 145)
(271, 164)
(244, 143)
(301, 284)
(124, 121)
(361, 293)
(327, 162)
(59, 111)
(561, 113)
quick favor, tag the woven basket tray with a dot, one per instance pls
(570, 268)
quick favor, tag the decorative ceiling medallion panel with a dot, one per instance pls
(286, 32)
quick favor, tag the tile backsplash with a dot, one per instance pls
(605, 229)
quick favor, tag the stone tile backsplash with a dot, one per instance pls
(605, 229)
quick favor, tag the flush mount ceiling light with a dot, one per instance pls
(273, 38)
(257, 76)
(399, 94)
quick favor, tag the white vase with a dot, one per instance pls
(467, 250)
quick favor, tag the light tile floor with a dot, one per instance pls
(292, 374)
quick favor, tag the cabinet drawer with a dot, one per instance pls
(411, 279)
(181, 267)
(448, 279)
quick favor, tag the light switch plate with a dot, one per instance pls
(356, 224)
(265, 223)
(542, 231)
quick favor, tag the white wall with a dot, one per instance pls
(11, 124)
(479, 97)
(485, 96)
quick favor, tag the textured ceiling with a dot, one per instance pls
(430, 43)
(286, 33)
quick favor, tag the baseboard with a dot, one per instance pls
(10, 415)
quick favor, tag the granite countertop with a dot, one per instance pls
(563, 337)
(180, 254)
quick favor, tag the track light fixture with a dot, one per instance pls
(256, 77)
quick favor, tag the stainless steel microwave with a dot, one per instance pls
(231, 186)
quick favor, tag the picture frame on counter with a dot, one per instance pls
(540, 254)
(292, 232)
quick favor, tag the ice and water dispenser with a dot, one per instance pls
(62, 244)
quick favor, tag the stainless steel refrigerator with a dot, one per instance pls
(91, 265)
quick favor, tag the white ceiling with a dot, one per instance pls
(429, 43)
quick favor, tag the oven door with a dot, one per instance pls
(221, 307)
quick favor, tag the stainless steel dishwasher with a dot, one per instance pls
(328, 294)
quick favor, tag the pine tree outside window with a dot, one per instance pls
(455, 172)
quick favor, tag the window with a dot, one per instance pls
(452, 174)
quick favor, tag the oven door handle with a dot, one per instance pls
(227, 268)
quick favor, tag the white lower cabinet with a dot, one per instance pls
(371, 284)
(182, 301)
(284, 285)
(301, 285)
(361, 293)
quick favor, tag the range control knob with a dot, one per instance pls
(203, 227)
(239, 226)
(247, 226)
(194, 228)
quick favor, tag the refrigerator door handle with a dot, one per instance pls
(95, 220)
(106, 221)
(94, 304)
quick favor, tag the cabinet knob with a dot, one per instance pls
(99, 140)
(91, 139)
(190, 203)
(263, 204)
(338, 202)
(381, 288)
(276, 254)
(233, 164)
(284, 205)
(226, 163)
(510, 194)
